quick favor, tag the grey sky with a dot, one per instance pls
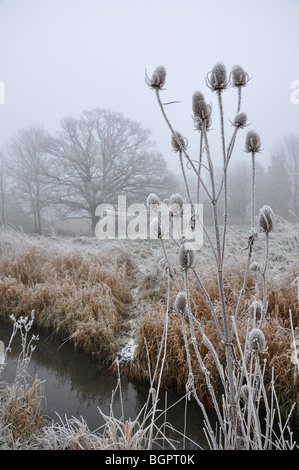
(60, 57)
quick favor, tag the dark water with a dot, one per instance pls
(74, 386)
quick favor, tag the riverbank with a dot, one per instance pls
(109, 299)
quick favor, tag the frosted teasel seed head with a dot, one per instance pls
(153, 200)
(178, 142)
(244, 393)
(253, 142)
(255, 310)
(158, 78)
(266, 219)
(176, 203)
(180, 303)
(255, 267)
(201, 110)
(186, 258)
(240, 120)
(257, 342)
(217, 79)
(238, 76)
(176, 199)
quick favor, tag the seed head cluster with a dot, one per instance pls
(186, 258)
(178, 142)
(217, 78)
(180, 303)
(266, 219)
(158, 78)
(238, 76)
(253, 142)
(255, 310)
(257, 340)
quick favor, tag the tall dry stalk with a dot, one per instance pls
(245, 394)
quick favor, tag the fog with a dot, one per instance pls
(61, 57)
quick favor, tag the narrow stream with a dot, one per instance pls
(74, 386)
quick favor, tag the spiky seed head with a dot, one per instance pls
(253, 142)
(180, 303)
(244, 393)
(255, 267)
(152, 200)
(266, 219)
(186, 258)
(257, 340)
(255, 310)
(201, 109)
(217, 78)
(176, 199)
(178, 142)
(176, 203)
(158, 78)
(240, 120)
(238, 76)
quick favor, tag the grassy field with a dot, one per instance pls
(109, 299)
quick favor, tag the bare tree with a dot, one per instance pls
(100, 156)
(27, 164)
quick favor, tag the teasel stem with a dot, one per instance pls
(197, 352)
(208, 299)
(263, 274)
(164, 339)
(199, 166)
(226, 332)
(219, 94)
(253, 191)
(239, 98)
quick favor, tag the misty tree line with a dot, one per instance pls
(100, 155)
(91, 160)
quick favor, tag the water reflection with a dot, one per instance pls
(75, 386)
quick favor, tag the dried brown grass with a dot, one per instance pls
(80, 295)
(282, 297)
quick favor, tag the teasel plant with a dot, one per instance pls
(248, 417)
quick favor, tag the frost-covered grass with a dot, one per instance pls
(115, 293)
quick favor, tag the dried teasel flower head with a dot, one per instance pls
(153, 200)
(238, 76)
(244, 393)
(257, 342)
(255, 310)
(253, 142)
(255, 267)
(186, 258)
(240, 120)
(201, 110)
(266, 219)
(176, 203)
(217, 78)
(178, 142)
(176, 199)
(180, 303)
(158, 78)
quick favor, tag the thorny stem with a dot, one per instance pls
(199, 166)
(253, 192)
(226, 334)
